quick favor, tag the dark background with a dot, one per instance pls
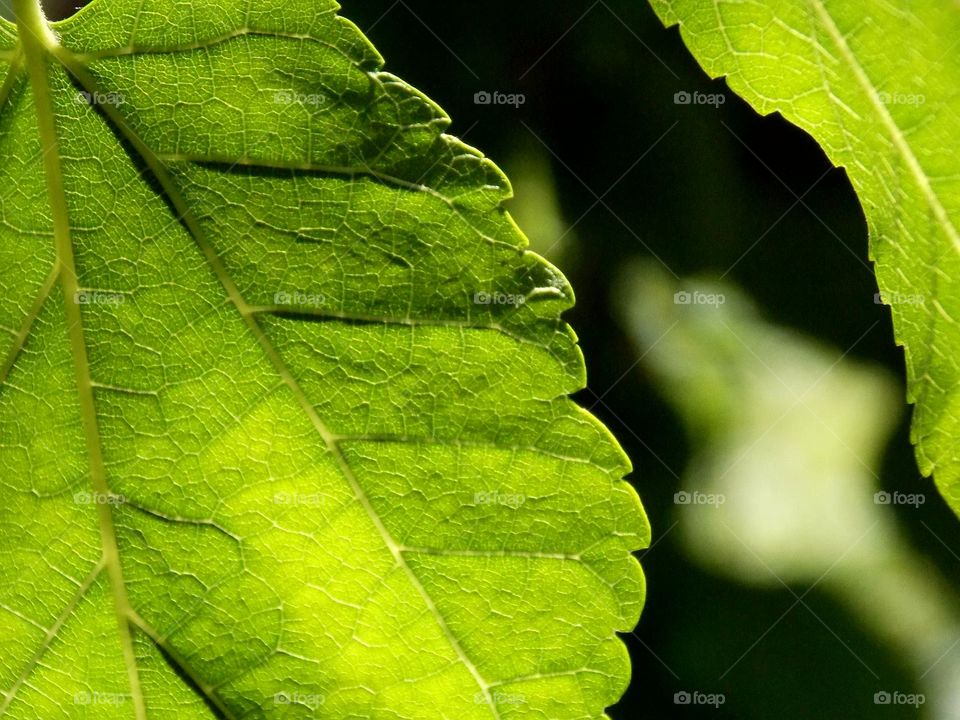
(599, 80)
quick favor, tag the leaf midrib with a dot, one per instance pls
(916, 170)
(896, 134)
(35, 38)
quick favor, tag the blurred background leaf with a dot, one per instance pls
(782, 487)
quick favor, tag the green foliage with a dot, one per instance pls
(874, 82)
(284, 416)
(786, 435)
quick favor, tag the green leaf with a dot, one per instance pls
(284, 416)
(874, 82)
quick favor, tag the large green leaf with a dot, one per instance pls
(268, 449)
(875, 82)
